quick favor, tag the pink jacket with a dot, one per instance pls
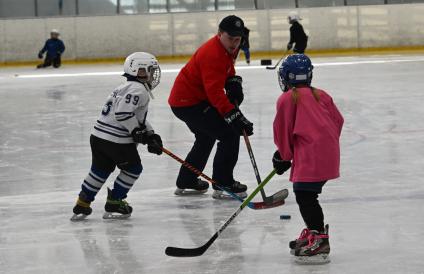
(308, 134)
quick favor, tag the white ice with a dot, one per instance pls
(375, 209)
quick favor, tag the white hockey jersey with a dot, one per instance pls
(125, 109)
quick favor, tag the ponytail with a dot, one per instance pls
(295, 94)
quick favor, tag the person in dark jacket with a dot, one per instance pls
(54, 48)
(298, 37)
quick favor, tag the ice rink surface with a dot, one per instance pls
(375, 209)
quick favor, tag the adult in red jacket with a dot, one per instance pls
(198, 99)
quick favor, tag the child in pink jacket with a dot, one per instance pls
(307, 129)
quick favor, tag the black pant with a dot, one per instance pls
(310, 209)
(55, 60)
(300, 47)
(107, 155)
(208, 126)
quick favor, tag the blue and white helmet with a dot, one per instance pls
(295, 69)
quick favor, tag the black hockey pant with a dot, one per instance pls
(48, 61)
(106, 156)
(208, 126)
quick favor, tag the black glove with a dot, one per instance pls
(40, 55)
(154, 144)
(279, 164)
(149, 138)
(238, 122)
(234, 89)
(140, 134)
(289, 46)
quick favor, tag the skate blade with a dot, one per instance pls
(115, 216)
(189, 192)
(311, 260)
(78, 217)
(221, 195)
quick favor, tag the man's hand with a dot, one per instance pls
(234, 89)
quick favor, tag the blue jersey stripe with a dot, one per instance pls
(119, 113)
(107, 125)
(123, 119)
(111, 133)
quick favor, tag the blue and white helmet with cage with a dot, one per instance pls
(295, 69)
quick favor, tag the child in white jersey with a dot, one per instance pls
(122, 124)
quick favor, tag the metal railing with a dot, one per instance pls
(52, 8)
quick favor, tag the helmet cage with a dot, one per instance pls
(144, 67)
(151, 76)
(154, 76)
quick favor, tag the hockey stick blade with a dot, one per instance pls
(190, 252)
(266, 206)
(276, 65)
(252, 205)
(198, 251)
(278, 199)
(278, 196)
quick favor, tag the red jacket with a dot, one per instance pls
(203, 78)
(308, 133)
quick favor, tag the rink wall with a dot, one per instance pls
(176, 34)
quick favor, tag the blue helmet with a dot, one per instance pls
(295, 69)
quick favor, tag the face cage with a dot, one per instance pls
(283, 85)
(152, 77)
(155, 74)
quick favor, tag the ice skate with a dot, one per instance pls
(316, 251)
(237, 188)
(301, 241)
(199, 187)
(116, 208)
(82, 209)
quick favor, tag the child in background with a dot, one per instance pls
(54, 48)
(298, 37)
(307, 129)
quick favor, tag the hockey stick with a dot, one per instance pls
(281, 59)
(193, 252)
(252, 205)
(277, 197)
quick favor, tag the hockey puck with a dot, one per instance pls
(285, 217)
(266, 62)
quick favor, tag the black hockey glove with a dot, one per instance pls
(289, 46)
(238, 122)
(154, 144)
(140, 134)
(234, 89)
(149, 138)
(40, 55)
(279, 164)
